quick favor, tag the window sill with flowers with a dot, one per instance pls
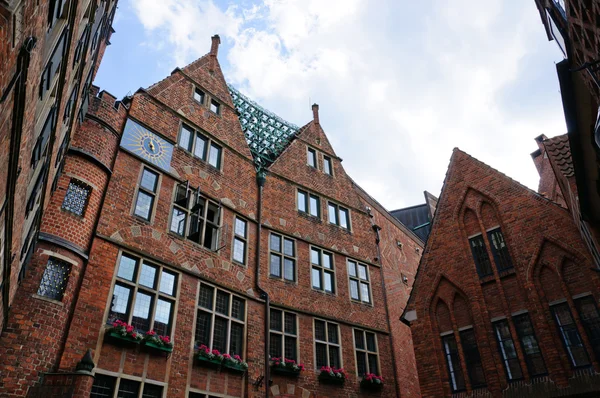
(331, 375)
(124, 333)
(213, 358)
(371, 382)
(285, 367)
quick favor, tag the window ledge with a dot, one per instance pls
(49, 300)
(324, 292)
(310, 217)
(198, 245)
(486, 279)
(370, 305)
(279, 279)
(507, 272)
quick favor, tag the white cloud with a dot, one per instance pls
(400, 83)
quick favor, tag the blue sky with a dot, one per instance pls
(399, 83)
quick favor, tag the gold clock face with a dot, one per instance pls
(147, 145)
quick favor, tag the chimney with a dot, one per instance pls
(315, 109)
(214, 50)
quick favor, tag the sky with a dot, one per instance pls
(399, 83)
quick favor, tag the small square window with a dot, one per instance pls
(199, 95)
(215, 107)
(55, 279)
(312, 157)
(76, 198)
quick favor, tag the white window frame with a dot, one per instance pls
(360, 281)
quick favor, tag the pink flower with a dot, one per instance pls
(165, 339)
(151, 333)
(216, 352)
(129, 328)
(237, 358)
(226, 356)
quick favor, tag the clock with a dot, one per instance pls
(147, 145)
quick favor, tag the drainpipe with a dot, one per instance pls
(376, 229)
(261, 177)
(19, 98)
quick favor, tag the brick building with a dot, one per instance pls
(49, 54)
(188, 210)
(505, 300)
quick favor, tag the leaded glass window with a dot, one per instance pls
(529, 344)
(588, 313)
(507, 350)
(322, 271)
(76, 198)
(480, 256)
(327, 344)
(282, 257)
(367, 355)
(499, 250)
(472, 358)
(283, 335)
(457, 380)
(146, 195)
(570, 335)
(360, 288)
(55, 279)
(240, 240)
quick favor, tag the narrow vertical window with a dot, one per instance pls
(570, 335)
(283, 335)
(529, 344)
(480, 256)
(323, 275)
(146, 194)
(367, 355)
(457, 380)
(302, 201)
(327, 344)
(499, 250)
(360, 289)
(327, 165)
(214, 157)
(76, 198)
(199, 95)
(311, 157)
(215, 107)
(282, 257)
(55, 279)
(588, 313)
(507, 350)
(315, 206)
(186, 136)
(240, 240)
(472, 358)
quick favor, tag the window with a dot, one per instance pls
(221, 321)
(55, 279)
(144, 295)
(311, 157)
(327, 165)
(56, 11)
(53, 66)
(570, 335)
(215, 107)
(322, 273)
(360, 289)
(480, 255)
(76, 198)
(529, 345)
(327, 344)
(195, 217)
(70, 103)
(105, 386)
(472, 358)
(367, 358)
(81, 45)
(284, 335)
(200, 146)
(199, 95)
(240, 240)
(499, 250)
(146, 194)
(309, 203)
(457, 380)
(35, 192)
(40, 146)
(507, 350)
(282, 254)
(588, 313)
(338, 215)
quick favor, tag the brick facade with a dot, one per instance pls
(549, 267)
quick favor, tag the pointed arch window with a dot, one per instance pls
(480, 255)
(499, 250)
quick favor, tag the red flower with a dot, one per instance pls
(151, 333)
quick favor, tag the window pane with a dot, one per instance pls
(104, 386)
(167, 283)
(178, 221)
(362, 272)
(149, 180)
(238, 308)
(222, 306)
(76, 197)
(148, 276)
(275, 267)
(152, 391)
(203, 326)
(276, 243)
(240, 227)
(480, 256)
(332, 333)
(239, 251)
(359, 339)
(120, 304)
(220, 335)
(276, 321)
(327, 261)
(206, 296)
(275, 346)
(302, 201)
(570, 335)
(199, 95)
(314, 206)
(499, 250)
(364, 292)
(321, 354)
(361, 363)
(373, 365)
(215, 156)
(315, 256)
(588, 312)
(185, 137)
(344, 218)
(329, 287)
(371, 346)
(312, 158)
(472, 358)
(290, 323)
(162, 317)
(334, 356)
(327, 165)
(351, 268)
(200, 149)
(141, 312)
(289, 269)
(128, 389)
(332, 213)
(320, 331)
(215, 107)
(127, 267)
(237, 339)
(457, 382)
(290, 347)
(143, 205)
(54, 280)
(316, 278)
(507, 351)
(288, 247)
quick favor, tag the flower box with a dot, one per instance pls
(156, 342)
(235, 367)
(327, 378)
(118, 338)
(278, 370)
(371, 382)
(207, 362)
(158, 347)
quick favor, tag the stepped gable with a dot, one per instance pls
(559, 151)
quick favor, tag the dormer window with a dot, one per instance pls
(199, 95)
(215, 107)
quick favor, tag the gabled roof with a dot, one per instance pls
(266, 133)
